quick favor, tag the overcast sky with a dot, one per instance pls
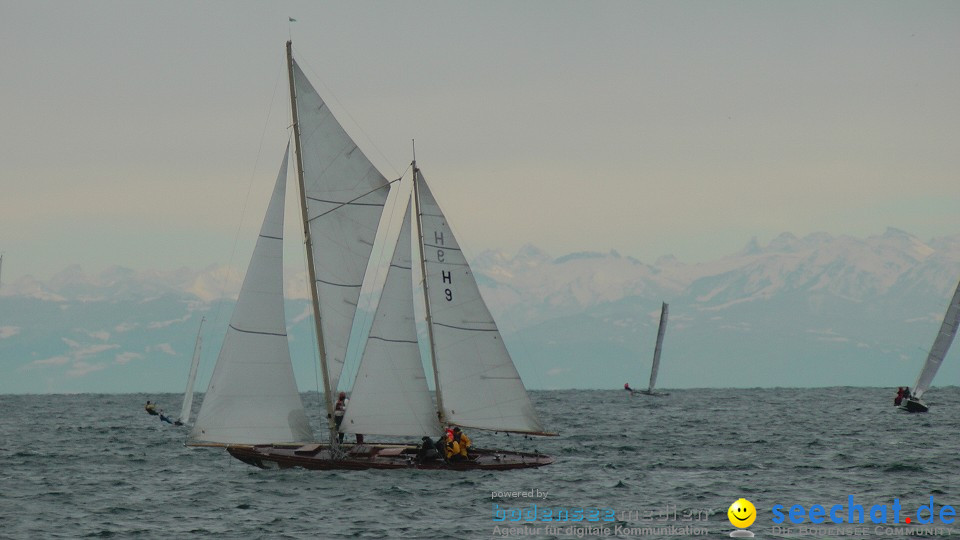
(143, 134)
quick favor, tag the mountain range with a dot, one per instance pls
(821, 310)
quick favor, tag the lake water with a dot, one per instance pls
(669, 467)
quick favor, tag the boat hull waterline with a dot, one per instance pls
(914, 406)
(379, 456)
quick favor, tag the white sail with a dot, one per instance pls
(345, 196)
(948, 330)
(656, 351)
(188, 394)
(252, 397)
(390, 395)
(478, 382)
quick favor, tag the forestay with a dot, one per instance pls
(390, 395)
(252, 397)
(479, 383)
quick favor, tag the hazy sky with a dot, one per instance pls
(133, 132)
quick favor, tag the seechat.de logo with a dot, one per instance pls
(742, 513)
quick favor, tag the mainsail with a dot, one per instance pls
(656, 351)
(344, 196)
(477, 382)
(252, 397)
(188, 393)
(390, 395)
(948, 330)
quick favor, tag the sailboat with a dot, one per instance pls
(948, 330)
(252, 405)
(187, 405)
(656, 354)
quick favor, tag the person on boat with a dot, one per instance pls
(441, 447)
(453, 448)
(164, 418)
(899, 399)
(626, 386)
(427, 451)
(338, 411)
(151, 408)
(461, 438)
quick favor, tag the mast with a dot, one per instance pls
(327, 391)
(426, 298)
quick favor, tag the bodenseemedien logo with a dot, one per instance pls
(742, 514)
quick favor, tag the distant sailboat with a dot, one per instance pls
(188, 394)
(252, 405)
(655, 368)
(948, 330)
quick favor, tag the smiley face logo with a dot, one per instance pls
(742, 513)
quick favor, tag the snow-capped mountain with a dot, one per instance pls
(817, 310)
(859, 270)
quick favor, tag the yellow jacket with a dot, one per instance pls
(453, 448)
(464, 444)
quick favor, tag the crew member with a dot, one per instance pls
(338, 411)
(461, 438)
(453, 448)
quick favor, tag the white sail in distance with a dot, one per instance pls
(948, 330)
(656, 351)
(252, 397)
(390, 395)
(344, 197)
(188, 393)
(478, 382)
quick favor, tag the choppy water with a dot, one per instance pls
(97, 466)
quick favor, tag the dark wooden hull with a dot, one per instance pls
(914, 405)
(379, 456)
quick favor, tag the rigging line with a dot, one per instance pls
(329, 91)
(243, 208)
(341, 205)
